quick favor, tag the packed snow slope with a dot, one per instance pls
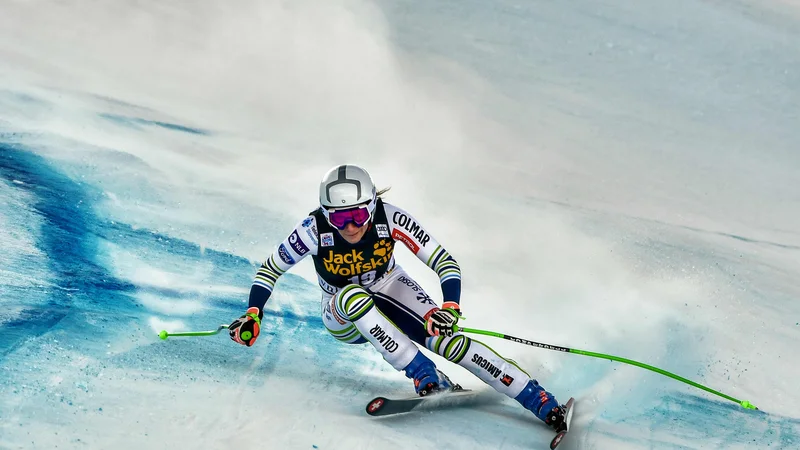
(619, 177)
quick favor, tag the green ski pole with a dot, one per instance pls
(163, 334)
(743, 403)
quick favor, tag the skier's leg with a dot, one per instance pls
(354, 306)
(504, 375)
(405, 304)
(341, 329)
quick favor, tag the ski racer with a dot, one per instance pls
(367, 297)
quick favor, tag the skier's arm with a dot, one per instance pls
(264, 281)
(406, 229)
(300, 243)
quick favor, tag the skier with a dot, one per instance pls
(367, 297)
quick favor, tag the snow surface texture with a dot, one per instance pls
(617, 176)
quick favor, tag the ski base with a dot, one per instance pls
(567, 419)
(382, 406)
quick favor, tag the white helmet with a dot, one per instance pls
(347, 186)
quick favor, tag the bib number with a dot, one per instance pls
(364, 279)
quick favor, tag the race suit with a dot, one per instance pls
(368, 297)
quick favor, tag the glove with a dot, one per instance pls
(245, 329)
(440, 322)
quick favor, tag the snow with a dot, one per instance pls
(617, 177)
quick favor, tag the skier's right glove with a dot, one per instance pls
(245, 329)
(440, 322)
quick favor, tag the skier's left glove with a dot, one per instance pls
(440, 322)
(245, 329)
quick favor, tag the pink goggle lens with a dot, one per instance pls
(340, 218)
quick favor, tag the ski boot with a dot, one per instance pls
(556, 419)
(427, 378)
(542, 404)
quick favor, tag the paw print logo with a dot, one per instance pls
(382, 247)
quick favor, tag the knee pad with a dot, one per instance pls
(453, 348)
(352, 302)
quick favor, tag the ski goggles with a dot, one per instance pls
(339, 218)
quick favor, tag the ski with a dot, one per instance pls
(567, 419)
(382, 406)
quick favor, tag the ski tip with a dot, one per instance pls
(375, 405)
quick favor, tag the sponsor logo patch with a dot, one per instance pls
(312, 234)
(326, 287)
(384, 339)
(382, 229)
(355, 263)
(284, 254)
(412, 227)
(398, 235)
(422, 297)
(307, 222)
(507, 379)
(297, 244)
(326, 239)
(486, 365)
(409, 282)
